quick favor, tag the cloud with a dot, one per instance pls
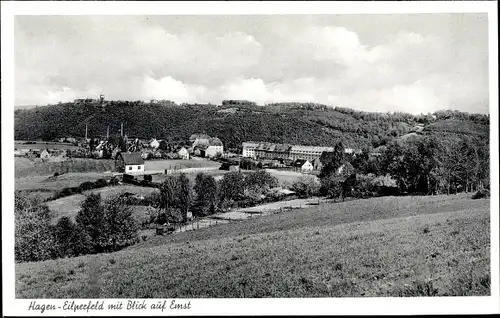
(171, 89)
(355, 65)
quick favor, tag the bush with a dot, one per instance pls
(109, 223)
(113, 181)
(481, 194)
(85, 186)
(306, 186)
(71, 240)
(100, 183)
(331, 187)
(34, 240)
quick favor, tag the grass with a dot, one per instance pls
(23, 168)
(44, 145)
(373, 247)
(70, 205)
(66, 180)
(178, 164)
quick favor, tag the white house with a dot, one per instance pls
(212, 151)
(209, 148)
(44, 154)
(307, 167)
(129, 162)
(249, 149)
(154, 143)
(183, 153)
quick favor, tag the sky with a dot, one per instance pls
(416, 63)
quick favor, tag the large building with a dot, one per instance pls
(267, 150)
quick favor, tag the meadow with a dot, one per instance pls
(19, 144)
(70, 205)
(25, 167)
(178, 164)
(391, 246)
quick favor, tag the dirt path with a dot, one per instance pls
(247, 213)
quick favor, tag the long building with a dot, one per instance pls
(267, 150)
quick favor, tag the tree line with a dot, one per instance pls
(304, 123)
(427, 165)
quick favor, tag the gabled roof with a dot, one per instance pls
(214, 142)
(299, 162)
(132, 158)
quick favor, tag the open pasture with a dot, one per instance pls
(20, 144)
(157, 165)
(35, 167)
(409, 246)
(70, 205)
(55, 183)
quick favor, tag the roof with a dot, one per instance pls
(132, 158)
(311, 148)
(215, 142)
(250, 144)
(193, 137)
(299, 162)
(282, 148)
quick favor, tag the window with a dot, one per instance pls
(130, 168)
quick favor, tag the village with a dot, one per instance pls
(130, 153)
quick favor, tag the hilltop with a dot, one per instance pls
(234, 122)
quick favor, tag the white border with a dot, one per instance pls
(323, 306)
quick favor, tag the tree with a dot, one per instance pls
(331, 186)
(306, 186)
(206, 193)
(232, 186)
(119, 226)
(71, 240)
(332, 160)
(34, 240)
(168, 194)
(184, 195)
(260, 182)
(91, 219)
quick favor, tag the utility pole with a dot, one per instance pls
(85, 132)
(122, 129)
(107, 133)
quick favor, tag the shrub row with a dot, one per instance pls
(85, 186)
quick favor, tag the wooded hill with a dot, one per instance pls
(235, 121)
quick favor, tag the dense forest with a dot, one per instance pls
(236, 121)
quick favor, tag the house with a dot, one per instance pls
(129, 162)
(304, 165)
(249, 149)
(44, 154)
(211, 149)
(183, 153)
(154, 143)
(215, 147)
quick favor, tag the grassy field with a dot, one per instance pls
(28, 168)
(178, 164)
(70, 205)
(57, 183)
(44, 145)
(393, 246)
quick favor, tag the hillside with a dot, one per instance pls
(393, 246)
(283, 123)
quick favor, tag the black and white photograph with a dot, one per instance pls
(160, 158)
